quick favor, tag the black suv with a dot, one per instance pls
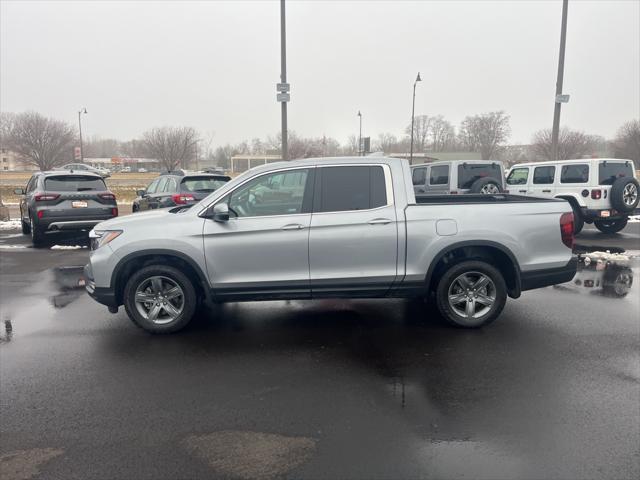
(178, 188)
(56, 201)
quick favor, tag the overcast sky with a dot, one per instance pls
(213, 65)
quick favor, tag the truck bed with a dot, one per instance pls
(426, 199)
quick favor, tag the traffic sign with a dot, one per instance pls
(282, 97)
(282, 87)
(562, 98)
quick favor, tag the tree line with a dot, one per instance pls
(47, 142)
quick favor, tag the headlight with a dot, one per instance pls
(100, 238)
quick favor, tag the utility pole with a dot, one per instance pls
(559, 97)
(283, 80)
(413, 110)
(80, 112)
(360, 149)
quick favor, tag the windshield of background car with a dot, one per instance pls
(202, 184)
(74, 183)
(608, 172)
(468, 173)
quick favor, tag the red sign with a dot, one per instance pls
(77, 153)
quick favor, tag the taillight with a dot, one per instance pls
(566, 229)
(596, 194)
(114, 212)
(40, 213)
(181, 198)
(43, 197)
(107, 196)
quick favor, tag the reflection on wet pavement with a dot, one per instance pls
(605, 273)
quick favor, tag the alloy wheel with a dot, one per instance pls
(630, 194)
(472, 294)
(159, 299)
(490, 189)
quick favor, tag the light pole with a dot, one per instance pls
(283, 78)
(413, 110)
(80, 112)
(360, 135)
(559, 100)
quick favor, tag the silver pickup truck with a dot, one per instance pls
(331, 227)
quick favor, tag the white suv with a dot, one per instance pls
(602, 191)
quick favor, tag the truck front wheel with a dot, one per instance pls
(160, 299)
(471, 294)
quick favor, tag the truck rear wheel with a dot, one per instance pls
(471, 294)
(160, 299)
(611, 226)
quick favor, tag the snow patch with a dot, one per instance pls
(67, 247)
(10, 225)
(634, 219)
(12, 247)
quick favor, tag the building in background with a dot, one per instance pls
(11, 162)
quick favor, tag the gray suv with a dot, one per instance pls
(56, 201)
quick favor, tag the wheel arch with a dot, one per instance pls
(178, 260)
(500, 257)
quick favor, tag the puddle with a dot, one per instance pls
(608, 273)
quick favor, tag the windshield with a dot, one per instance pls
(609, 172)
(468, 173)
(204, 184)
(74, 183)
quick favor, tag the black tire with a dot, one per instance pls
(26, 228)
(611, 226)
(189, 298)
(578, 219)
(620, 191)
(37, 234)
(134, 208)
(482, 183)
(449, 283)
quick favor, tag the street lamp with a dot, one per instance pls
(413, 110)
(80, 112)
(360, 135)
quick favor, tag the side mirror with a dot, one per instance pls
(19, 191)
(141, 193)
(221, 212)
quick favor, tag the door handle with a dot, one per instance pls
(293, 226)
(546, 191)
(522, 191)
(379, 221)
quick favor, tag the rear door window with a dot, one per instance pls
(544, 175)
(207, 184)
(518, 176)
(74, 183)
(439, 175)
(161, 184)
(578, 173)
(609, 172)
(468, 173)
(419, 176)
(350, 188)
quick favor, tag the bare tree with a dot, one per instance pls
(172, 146)
(38, 140)
(443, 134)
(257, 147)
(387, 142)
(421, 129)
(627, 142)
(571, 144)
(101, 148)
(485, 132)
(351, 147)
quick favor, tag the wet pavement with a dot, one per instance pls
(320, 389)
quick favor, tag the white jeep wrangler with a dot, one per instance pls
(602, 191)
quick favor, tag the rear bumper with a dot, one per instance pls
(74, 224)
(590, 214)
(549, 276)
(105, 296)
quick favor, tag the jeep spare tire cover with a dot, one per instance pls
(625, 194)
(486, 185)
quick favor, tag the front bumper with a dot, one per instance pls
(105, 296)
(549, 276)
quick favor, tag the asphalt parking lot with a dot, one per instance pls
(315, 389)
